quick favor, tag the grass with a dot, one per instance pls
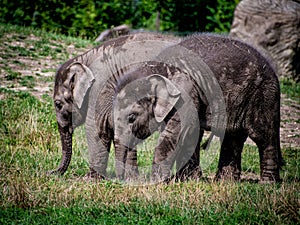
(291, 89)
(30, 146)
(11, 75)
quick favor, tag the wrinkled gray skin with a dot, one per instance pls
(151, 103)
(252, 97)
(104, 120)
(78, 93)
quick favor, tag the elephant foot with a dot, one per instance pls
(131, 173)
(189, 174)
(93, 175)
(158, 178)
(160, 175)
(230, 173)
(269, 169)
(269, 177)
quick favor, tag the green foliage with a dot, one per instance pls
(88, 18)
(221, 16)
(187, 16)
(144, 14)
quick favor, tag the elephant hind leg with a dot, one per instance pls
(270, 155)
(229, 167)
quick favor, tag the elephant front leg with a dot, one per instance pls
(161, 167)
(131, 167)
(164, 156)
(98, 159)
(229, 167)
(192, 169)
(187, 165)
(98, 149)
(121, 154)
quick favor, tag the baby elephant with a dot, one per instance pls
(225, 86)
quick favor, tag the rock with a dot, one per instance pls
(273, 26)
(114, 32)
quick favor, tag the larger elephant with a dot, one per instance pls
(227, 85)
(79, 91)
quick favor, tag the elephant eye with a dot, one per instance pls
(131, 117)
(58, 105)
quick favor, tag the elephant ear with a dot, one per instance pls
(167, 95)
(81, 80)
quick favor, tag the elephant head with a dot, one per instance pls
(140, 107)
(73, 81)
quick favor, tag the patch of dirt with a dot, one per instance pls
(42, 69)
(290, 122)
(32, 71)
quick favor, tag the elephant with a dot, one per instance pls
(226, 86)
(80, 96)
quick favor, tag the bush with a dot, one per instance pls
(87, 18)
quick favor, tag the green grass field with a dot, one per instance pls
(30, 146)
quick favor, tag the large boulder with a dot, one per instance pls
(273, 26)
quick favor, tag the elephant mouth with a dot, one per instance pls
(141, 134)
(128, 142)
(76, 119)
(67, 126)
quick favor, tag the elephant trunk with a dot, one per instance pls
(66, 141)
